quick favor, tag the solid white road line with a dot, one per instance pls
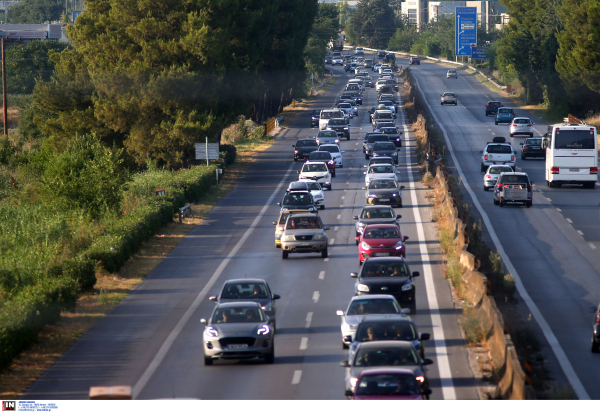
(309, 316)
(162, 352)
(558, 210)
(322, 275)
(552, 340)
(580, 232)
(592, 246)
(439, 337)
(316, 296)
(297, 377)
(569, 220)
(303, 343)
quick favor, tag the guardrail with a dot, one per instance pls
(184, 211)
(278, 121)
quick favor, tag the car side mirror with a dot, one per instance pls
(427, 361)
(415, 274)
(532, 182)
(424, 336)
(521, 143)
(293, 145)
(339, 312)
(353, 275)
(275, 297)
(213, 298)
(203, 321)
(345, 364)
(274, 223)
(326, 228)
(398, 217)
(364, 188)
(545, 134)
(354, 217)
(278, 203)
(405, 311)
(405, 238)
(402, 187)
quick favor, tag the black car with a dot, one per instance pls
(381, 54)
(492, 108)
(303, 147)
(298, 200)
(370, 141)
(384, 191)
(389, 57)
(414, 60)
(340, 127)
(386, 88)
(393, 134)
(390, 276)
(354, 95)
(328, 60)
(314, 117)
(387, 149)
(532, 147)
(371, 215)
(596, 330)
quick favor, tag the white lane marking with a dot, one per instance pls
(493, 133)
(339, 216)
(439, 337)
(303, 343)
(316, 296)
(548, 199)
(580, 232)
(343, 197)
(331, 241)
(164, 349)
(335, 229)
(560, 210)
(326, 260)
(322, 275)
(309, 316)
(348, 182)
(356, 144)
(297, 377)
(550, 336)
(592, 246)
(569, 220)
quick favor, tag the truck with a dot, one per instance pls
(337, 43)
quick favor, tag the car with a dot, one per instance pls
(249, 290)
(513, 187)
(340, 127)
(386, 149)
(304, 233)
(323, 156)
(382, 115)
(384, 191)
(359, 51)
(596, 329)
(380, 171)
(280, 223)
(368, 63)
(316, 191)
(326, 115)
(346, 108)
(303, 148)
(238, 330)
(345, 98)
(380, 54)
(392, 133)
(336, 153)
(358, 81)
(376, 67)
(380, 240)
(298, 200)
(390, 275)
(370, 140)
(490, 177)
(388, 327)
(314, 117)
(389, 57)
(386, 353)
(337, 60)
(317, 171)
(360, 306)
(327, 137)
(353, 87)
(492, 108)
(532, 147)
(521, 125)
(449, 98)
(498, 152)
(504, 115)
(388, 105)
(388, 384)
(372, 215)
(354, 95)
(328, 60)
(414, 60)
(383, 67)
(451, 74)
(353, 106)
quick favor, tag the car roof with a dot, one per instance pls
(243, 303)
(294, 211)
(372, 297)
(514, 174)
(307, 139)
(315, 161)
(329, 144)
(382, 158)
(306, 214)
(385, 344)
(396, 370)
(377, 207)
(517, 118)
(382, 226)
(244, 281)
(387, 259)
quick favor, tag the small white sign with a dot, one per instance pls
(213, 151)
(467, 26)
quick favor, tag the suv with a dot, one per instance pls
(329, 114)
(304, 233)
(340, 127)
(504, 115)
(451, 74)
(498, 152)
(297, 199)
(449, 98)
(513, 187)
(414, 60)
(492, 108)
(303, 147)
(314, 117)
(389, 58)
(280, 223)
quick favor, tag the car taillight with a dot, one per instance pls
(514, 125)
(529, 125)
(512, 158)
(488, 176)
(593, 170)
(554, 170)
(499, 185)
(598, 318)
(525, 148)
(485, 157)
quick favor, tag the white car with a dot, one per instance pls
(353, 104)
(388, 105)
(521, 125)
(387, 71)
(336, 153)
(316, 191)
(317, 171)
(383, 66)
(347, 109)
(376, 67)
(380, 171)
(329, 114)
(451, 74)
(490, 177)
(338, 60)
(359, 82)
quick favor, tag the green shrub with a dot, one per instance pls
(81, 271)
(227, 153)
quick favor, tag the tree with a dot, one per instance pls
(324, 29)
(372, 24)
(35, 11)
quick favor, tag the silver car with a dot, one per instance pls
(365, 305)
(451, 74)
(521, 125)
(449, 98)
(490, 177)
(238, 330)
(304, 234)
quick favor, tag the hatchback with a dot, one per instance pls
(491, 175)
(451, 74)
(521, 125)
(449, 98)
(504, 115)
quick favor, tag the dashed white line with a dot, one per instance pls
(308, 320)
(316, 296)
(348, 182)
(303, 343)
(339, 216)
(297, 377)
(548, 199)
(560, 210)
(335, 229)
(322, 275)
(331, 241)
(326, 260)
(592, 246)
(580, 232)
(569, 220)
(343, 197)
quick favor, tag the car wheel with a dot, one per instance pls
(510, 134)
(496, 123)
(344, 346)
(277, 246)
(333, 174)
(483, 168)
(208, 360)
(501, 203)
(329, 187)
(347, 137)
(530, 134)
(366, 157)
(456, 103)
(360, 262)
(522, 157)
(442, 103)
(270, 358)
(485, 188)
(529, 204)
(324, 253)
(495, 201)
(322, 207)
(595, 346)
(284, 254)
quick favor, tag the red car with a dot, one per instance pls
(323, 156)
(380, 241)
(388, 384)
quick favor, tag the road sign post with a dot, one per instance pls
(208, 151)
(466, 30)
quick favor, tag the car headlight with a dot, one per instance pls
(361, 225)
(296, 151)
(290, 238)
(311, 209)
(319, 237)
(353, 382)
(284, 208)
(268, 307)
(399, 245)
(263, 330)
(337, 140)
(396, 194)
(345, 128)
(372, 195)
(407, 287)
(365, 246)
(212, 332)
(362, 288)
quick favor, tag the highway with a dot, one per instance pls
(552, 247)
(153, 339)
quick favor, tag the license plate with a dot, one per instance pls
(384, 200)
(303, 244)
(381, 254)
(535, 147)
(574, 170)
(240, 346)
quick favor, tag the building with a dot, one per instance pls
(25, 33)
(417, 11)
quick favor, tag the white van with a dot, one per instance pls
(329, 114)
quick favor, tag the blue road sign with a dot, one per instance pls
(466, 30)
(75, 14)
(479, 52)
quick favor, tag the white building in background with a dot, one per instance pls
(417, 12)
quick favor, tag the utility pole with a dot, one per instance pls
(4, 92)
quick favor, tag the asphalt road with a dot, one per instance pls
(153, 339)
(552, 247)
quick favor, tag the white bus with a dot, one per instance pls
(571, 155)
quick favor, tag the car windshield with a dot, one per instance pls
(505, 111)
(284, 217)
(297, 199)
(327, 133)
(533, 141)
(381, 169)
(314, 167)
(303, 222)
(392, 384)
(379, 160)
(383, 184)
(384, 116)
(244, 291)
(449, 95)
(305, 143)
(386, 103)
(382, 330)
(384, 269)
(499, 148)
(521, 121)
(238, 315)
(330, 115)
(377, 213)
(330, 149)
(388, 130)
(515, 179)
(377, 138)
(497, 170)
(319, 156)
(386, 357)
(337, 122)
(384, 146)
(344, 105)
(381, 233)
(372, 307)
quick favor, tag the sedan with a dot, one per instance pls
(365, 305)
(323, 156)
(490, 177)
(532, 147)
(380, 172)
(386, 191)
(393, 134)
(389, 384)
(317, 171)
(521, 125)
(389, 275)
(385, 149)
(449, 98)
(336, 153)
(381, 241)
(371, 215)
(251, 290)
(238, 330)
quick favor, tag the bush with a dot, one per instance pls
(227, 153)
